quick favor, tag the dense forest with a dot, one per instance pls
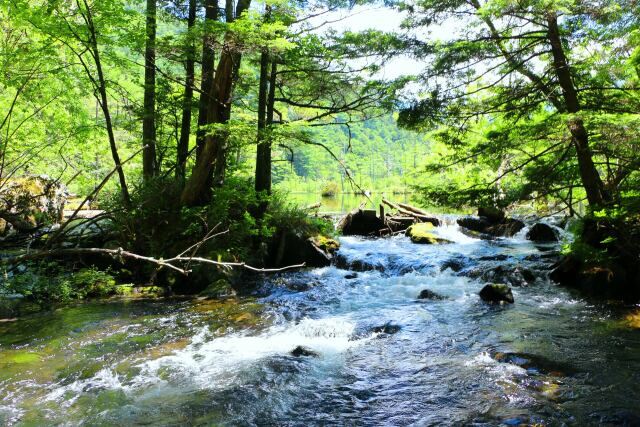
(155, 162)
(378, 155)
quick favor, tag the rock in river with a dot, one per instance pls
(427, 294)
(541, 232)
(301, 351)
(387, 328)
(497, 293)
(361, 223)
(491, 222)
(422, 233)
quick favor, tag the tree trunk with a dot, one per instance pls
(185, 130)
(196, 189)
(208, 67)
(148, 118)
(589, 175)
(263, 151)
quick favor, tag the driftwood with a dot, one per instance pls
(423, 217)
(413, 209)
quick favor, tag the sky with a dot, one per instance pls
(388, 20)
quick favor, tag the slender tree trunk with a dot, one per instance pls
(263, 151)
(213, 151)
(208, 68)
(149, 114)
(102, 99)
(266, 97)
(579, 137)
(185, 128)
(217, 175)
(271, 99)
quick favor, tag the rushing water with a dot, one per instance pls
(551, 358)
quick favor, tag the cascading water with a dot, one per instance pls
(374, 354)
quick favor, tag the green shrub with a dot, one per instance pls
(158, 226)
(330, 189)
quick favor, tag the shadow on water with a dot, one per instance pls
(373, 354)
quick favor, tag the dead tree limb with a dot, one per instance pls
(174, 263)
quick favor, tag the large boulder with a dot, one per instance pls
(541, 232)
(507, 228)
(497, 293)
(361, 222)
(492, 214)
(30, 202)
(422, 233)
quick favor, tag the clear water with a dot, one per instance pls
(229, 363)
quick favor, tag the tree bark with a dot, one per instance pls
(149, 113)
(263, 151)
(589, 175)
(185, 128)
(196, 190)
(208, 68)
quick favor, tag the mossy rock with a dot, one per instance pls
(327, 244)
(230, 313)
(19, 357)
(217, 289)
(421, 233)
(32, 201)
(134, 291)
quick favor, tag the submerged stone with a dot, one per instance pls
(387, 328)
(454, 265)
(343, 263)
(427, 294)
(497, 293)
(534, 363)
(509, 275)
(301, 351)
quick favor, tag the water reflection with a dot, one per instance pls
(345, 202)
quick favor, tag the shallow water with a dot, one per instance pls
(551, 358)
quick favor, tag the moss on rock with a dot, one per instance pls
(422, 233)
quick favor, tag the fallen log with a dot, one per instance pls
(313, 206)
(421, 217)
(413, 209)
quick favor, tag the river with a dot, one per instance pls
(382, 357)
